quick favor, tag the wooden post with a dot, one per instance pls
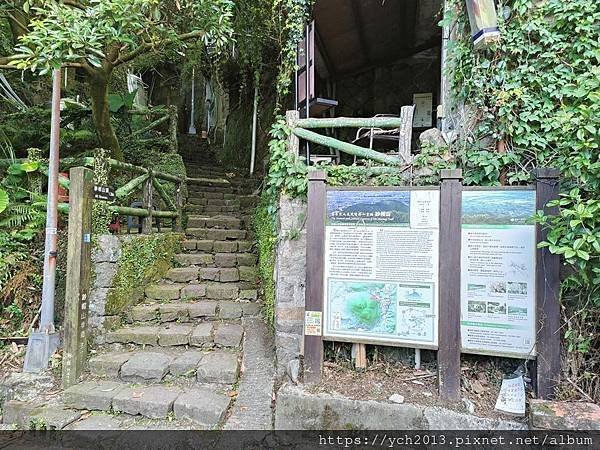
(315, 251)
(78, 274)
(147, 221)
(547, 292)
(405, 138)
(449, 343)
(291, 117)
(178, 221)
(359, 354)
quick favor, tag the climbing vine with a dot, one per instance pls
(535, 101)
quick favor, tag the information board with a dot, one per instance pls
(498, 272)
(381, 266)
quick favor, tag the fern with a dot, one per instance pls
(21, 215)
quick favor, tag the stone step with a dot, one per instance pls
(224, 260)
(192, 311)
(196, 209)
(215, 234)
(202, 201)
(192, 245)
(203, 334)
(205, 405)
(212, 208)
(222, 222)
(222, 274)
(150, 366)
(212, 290)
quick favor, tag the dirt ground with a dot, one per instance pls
(481, 380)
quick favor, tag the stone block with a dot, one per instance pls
(163, 291)
(108, 364)
(194, 259)
(92, 395)
(225, 259)
(220, 291)
(218, 367)
(229, 275)
(54, 417)
(18, 413)
(226, 246)
(202, 405)
(185, 364)
(248, 273)
(171, 312)
(193, 291)
(174, 335)
(210, 273)
(145, 366)
(246, 259)
(155, 402)
(228, 334)
(202, 309)
(107, 250)
(244, 246)
(133, 335)
(143, 313)
(250, 309)
(97, 302)
(576, 416)
(196, 221)
(96, 423)
(183, 274)
(202, 335)
(104, 272)
(190, 244)
(215, 234)
(248, 294)
(204, 245)
(230, 310)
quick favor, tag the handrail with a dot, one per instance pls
(348, 122)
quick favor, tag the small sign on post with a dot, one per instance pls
(104, 193)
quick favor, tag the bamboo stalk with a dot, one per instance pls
(165, 214)
(128, 188)
(127, 211)
(163, 194)
(126, 166)
(349, 122)
(346, 147)
(151, 126)
(166, 177)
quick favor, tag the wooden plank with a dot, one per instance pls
(359, 352)
(315, 250)
(147, 200)
(292, 118)
(346, 147)
(449, 290)
(547, 293)
(405, 139)
(78, 274)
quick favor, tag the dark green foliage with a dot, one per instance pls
(266, 237)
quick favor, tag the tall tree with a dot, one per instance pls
(98, 36)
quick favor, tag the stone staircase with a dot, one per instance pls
(177, 361)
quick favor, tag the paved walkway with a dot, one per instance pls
(252, 409)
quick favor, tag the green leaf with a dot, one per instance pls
(3, 200)
(30, 166)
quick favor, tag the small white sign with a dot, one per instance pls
(423, 110)
(511, 398)
(313, 323)
(51, 231)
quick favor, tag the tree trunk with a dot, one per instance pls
(101, 113)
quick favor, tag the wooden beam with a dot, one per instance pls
(346, 147)
(78, 274)
(163, 194)
(315, 270)
(449, 341)
(347, 122)
(547, 293)
(129, 187)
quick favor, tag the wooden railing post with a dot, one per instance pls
(315, 251)
(147, 221)
(178, 221)
(78, 274)
(547, 292)
(449, 342)
(291, 117)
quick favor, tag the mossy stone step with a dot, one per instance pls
(206, 245)
(216, 259)
(222, 222)
(173, 335)
(215, 234)
(183, 312)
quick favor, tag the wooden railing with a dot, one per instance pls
(301, 129)
(150, 181)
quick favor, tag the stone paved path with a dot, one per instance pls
(252, 409)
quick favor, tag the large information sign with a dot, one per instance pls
(381, 266)
(498, 272)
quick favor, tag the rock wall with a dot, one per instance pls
(290, 277)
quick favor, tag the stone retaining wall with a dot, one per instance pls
(290, 277)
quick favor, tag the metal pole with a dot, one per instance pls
(254, 120)
(47, 315)
(192, 129)
(43, 342)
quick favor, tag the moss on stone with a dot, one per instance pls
(144, 260)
